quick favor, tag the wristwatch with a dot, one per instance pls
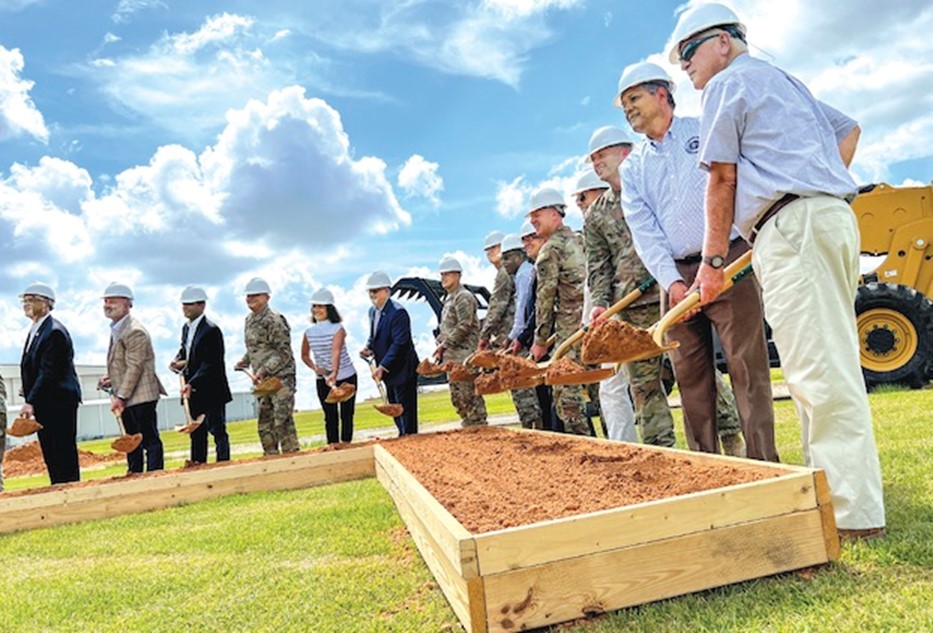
(714, 261)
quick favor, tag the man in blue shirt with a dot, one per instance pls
(777, 160)
(662, 194)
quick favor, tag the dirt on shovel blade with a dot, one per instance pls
(22, 427)
(613, 341)
(127, 443)
(391, 410)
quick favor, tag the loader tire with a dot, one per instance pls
(895, 331)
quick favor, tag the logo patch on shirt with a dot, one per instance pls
(692, 146)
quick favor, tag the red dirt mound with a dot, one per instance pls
(26, 459)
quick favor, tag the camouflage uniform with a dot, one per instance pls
(501, 310)
(560, 270)
(727, 416)
(269, 351)
(2, 428)
(614, 270)
(459, 336)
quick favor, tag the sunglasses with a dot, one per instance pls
(690, 48)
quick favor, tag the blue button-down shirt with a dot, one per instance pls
(780, 137)
(524, 294)
(663, 192)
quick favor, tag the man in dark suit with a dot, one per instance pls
(50, 384)
(200, 359)
(391, 345)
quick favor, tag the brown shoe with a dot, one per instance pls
(733, 445)
(866, 534)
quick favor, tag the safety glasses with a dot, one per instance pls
(690, 48)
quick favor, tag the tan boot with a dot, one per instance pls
(733, 445)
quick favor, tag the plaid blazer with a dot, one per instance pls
(131, 365)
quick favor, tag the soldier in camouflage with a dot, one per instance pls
(560, 269)
(458, 339)
(269, 353)
(501, 310)
(514, 258)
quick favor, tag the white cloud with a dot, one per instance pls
(418, 178)
(127, 8)
(513, 9)
(513, 198)
(18, 113)
(16, 5)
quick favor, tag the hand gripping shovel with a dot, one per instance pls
(386, 408)
(24, 425)
(126, 443)
(190, 424)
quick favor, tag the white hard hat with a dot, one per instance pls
(527, 229)
(257, 286)
(378, 280)
(193, 294)
(493, 239)
(589, 180)
(698, 19)
(607, 136)
(39, 289)
(637, 74)
(512, 242)
(322, 297)
(117, 290)
(450, 265)
(547, 197)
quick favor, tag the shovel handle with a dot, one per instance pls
(734, 273)
(184, 400)
(371, 361)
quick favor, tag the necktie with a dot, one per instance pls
(184, 339)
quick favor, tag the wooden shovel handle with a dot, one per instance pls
(184, 400)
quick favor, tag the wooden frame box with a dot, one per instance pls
(546, 573)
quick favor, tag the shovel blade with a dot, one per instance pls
(391, 410)
(127, 443)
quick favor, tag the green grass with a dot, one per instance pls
(337, 559)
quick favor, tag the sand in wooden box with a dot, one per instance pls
(527, 529)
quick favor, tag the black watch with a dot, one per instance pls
(715, 261)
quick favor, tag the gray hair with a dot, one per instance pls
(652, 88)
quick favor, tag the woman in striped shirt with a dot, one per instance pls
(326, 340)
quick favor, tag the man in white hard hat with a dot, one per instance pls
(390, 343)
(269, 353)
(613, 270)
(200, 359)
(501, 309)
(777, 160)
(51, 391)
(663, 199)
(131, 378)
(560, 269)
(458, 338)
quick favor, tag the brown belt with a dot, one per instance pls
(770, 212)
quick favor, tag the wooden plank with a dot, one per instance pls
(573, 588)
(133, 495)
(466, 596)
(455, 541)
(825, 501)
(519, 547)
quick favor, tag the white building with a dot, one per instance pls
(94, 417)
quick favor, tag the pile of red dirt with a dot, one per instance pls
(26, 459)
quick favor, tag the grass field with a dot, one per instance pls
(338, 558)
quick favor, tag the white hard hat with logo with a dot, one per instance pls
(640, 73)
(512, 242)
(117, 290)
(587, 181)
(698, 19)
(39, 289)
(527, 229)
(547, 197)
(607, 136)
(257, 286)
(449, 265)
(322, 297)
(493, 239)
(378, 280)
(193, 294)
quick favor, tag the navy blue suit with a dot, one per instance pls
(50, 385)
(392, 346)
(210, 392)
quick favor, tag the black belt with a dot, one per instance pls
(698, 257)
(770, 212)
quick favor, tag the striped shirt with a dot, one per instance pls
(320, 338)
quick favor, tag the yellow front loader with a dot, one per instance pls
(893, 306)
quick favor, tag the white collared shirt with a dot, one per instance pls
(192, 328)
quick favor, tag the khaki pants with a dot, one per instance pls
(807, 258)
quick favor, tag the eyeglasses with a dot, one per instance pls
(690, 48)
(581, 197)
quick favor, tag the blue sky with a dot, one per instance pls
(163, 143)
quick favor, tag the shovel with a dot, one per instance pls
(386, 408)
(190, 425)
(24, 425)
(126, 443)
(734, 273)
(265, 387)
